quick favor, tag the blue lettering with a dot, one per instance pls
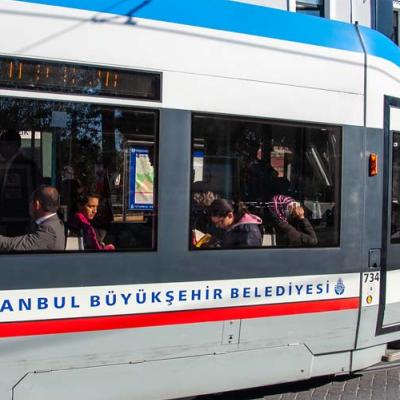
(155, 297)
(246, 292)
(182, 295)
(43, 303)
(280, 290)
(268, 291)
(25, 304)
(196, 294)
(6, 306)
(170, 297)
(94, 301)
(217, 294)
(62, 303)
(73, 303)
(234, 293)
(309, 289)
(126, 297)
(298, 288)
(319, 288)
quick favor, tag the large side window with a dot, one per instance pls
(262, 184)
(102, 161)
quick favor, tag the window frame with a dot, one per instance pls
(100, 102)
(271, 121)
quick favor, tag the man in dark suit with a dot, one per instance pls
(48, 233)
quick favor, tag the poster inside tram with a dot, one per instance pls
(141, 179)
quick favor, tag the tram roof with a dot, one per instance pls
(243, 18)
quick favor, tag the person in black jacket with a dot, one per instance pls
(19, 176)
(241, 229)
(292, 227)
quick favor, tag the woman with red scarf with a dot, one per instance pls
(86, 209)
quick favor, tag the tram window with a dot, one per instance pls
(395, 224)
(262, 184)
(103, 157)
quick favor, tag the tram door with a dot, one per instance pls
(389, 309)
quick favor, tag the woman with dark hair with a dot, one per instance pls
(241, 229)
(292, 227)
(86, 209)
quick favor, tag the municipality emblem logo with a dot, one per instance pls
(339, 287)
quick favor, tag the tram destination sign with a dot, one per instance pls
(57, 77)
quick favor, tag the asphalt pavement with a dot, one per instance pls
(381, 382)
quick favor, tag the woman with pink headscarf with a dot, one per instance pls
(293, 228)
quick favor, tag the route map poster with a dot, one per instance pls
(141, 180)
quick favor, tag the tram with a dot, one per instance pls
(156, 104)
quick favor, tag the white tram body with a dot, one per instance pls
(218, 320)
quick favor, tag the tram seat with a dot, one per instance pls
(73, 241)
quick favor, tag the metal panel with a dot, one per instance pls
(175, 377)
(321, 332)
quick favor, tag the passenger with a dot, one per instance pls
(86, 207)
(202, 197)
(242, 229)
(19, 176)
(293, 228)
(48, 232)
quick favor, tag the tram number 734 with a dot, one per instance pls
(370, 277)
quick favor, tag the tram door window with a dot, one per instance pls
(81, 148)
(395, 220)
(284, 179)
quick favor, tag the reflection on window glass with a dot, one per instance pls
(395, 225)
(395, 31)
(258, 184)
(311, 7)
(101, 161)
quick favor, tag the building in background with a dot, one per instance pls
(396, 11)
(381, 15)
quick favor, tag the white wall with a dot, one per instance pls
(349, 11)
(362, 12)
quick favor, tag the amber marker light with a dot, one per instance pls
(373, 164)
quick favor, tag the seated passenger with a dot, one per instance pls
(48, 232)
(292, 227)
(202, 197)
(241, 229)
(86, 207)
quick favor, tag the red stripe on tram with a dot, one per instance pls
(28, 328)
